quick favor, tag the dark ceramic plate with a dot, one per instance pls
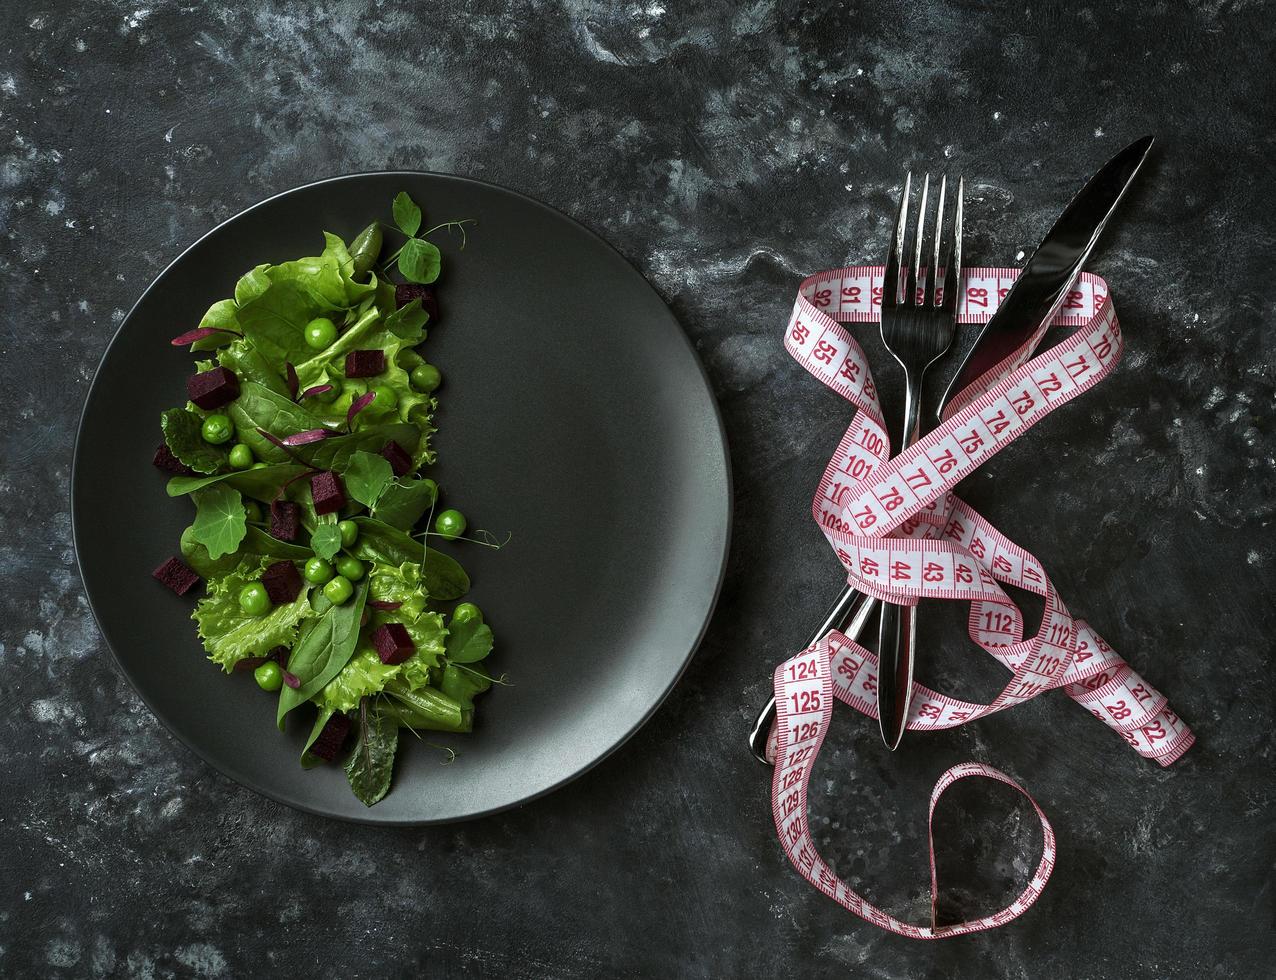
(574, 413)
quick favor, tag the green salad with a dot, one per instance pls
(304, 448)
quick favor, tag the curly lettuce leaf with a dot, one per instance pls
(403, 585)
(229, 634)
(363, 675)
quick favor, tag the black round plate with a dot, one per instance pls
(574, 414)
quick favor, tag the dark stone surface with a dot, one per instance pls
(726, 152)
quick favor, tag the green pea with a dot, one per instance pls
(253, 599)
(253, 511)
(217, 429)
(269, 676)
(241, 457)
(365, 249)
(317, 571)
(320, 333)
(425, 377)
(466, 612)
(353, 388)
(450, 524)
(350, 568)
(349, 533)
(338, 590)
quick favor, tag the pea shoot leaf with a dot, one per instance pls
(366, 476)
(326, 541)
(407, 215)
(220, 519)
(468, 642)
(420, 261)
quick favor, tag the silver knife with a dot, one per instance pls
(1033, 300)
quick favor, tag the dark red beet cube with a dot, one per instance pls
(213, 389)
(406, 292)
(285, 520)
(397, 457)
(166, 461)
(176, 575)
(393, 643)
(282, 582)
(331, 738)
(364, 363)
(325, 488)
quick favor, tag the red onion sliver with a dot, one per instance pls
(293, 382)
(250, 663)
(315, 390)
(292, 680)
(305, 438)
(194, 336)
(358, 405)
(383, 605)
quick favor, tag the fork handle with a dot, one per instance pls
(897, 629)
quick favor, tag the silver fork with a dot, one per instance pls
(852, 609)
(917, 329)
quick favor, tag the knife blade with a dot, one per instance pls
(1052, 270)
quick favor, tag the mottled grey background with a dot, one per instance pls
(727, 150)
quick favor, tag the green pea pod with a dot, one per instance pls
(431, 710)
(365, 249)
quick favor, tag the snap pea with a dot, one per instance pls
(365, 249)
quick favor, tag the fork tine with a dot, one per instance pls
(952, 280)
(894, 258)
(919, 234)
(932, 275)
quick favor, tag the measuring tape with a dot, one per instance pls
(901, 534)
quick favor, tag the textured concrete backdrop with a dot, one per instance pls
(727, 150)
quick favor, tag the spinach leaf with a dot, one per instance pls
(260, 408)
(468, 642)
(275, 321)
(308, 761)
(407, 214)
(326, 541)
(334, 453)
(419, 261)
(220, 316)
(322, 651)
(262, 484)
(220, 520)
(184, 438)
(371, 764)
(366, 476)
(258, 542)
(402, 503)
(441, 576)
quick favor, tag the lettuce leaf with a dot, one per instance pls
(230, 634)
(403, 585)
(363, 675)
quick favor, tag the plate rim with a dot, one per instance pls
(358, 818)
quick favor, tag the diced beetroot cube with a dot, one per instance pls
(213, 389)
(393, 643)
(285, 520)
(363, 363)
(166, 461)
(282, 582)
(177, 575)
(406, 292)
(398, 459)
(331, 738)
(326, 490)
